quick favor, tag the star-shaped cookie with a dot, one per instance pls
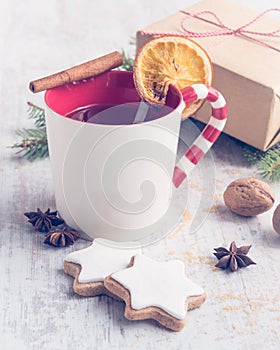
(156, 290)
(91, 265)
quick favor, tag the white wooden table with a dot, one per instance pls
(38, 309)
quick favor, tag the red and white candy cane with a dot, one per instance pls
(209, 134)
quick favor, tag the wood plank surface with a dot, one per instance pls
(38, 309)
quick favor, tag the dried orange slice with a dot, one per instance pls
(171, 60)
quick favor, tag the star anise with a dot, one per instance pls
(43, 221)
(62, 236)
(233, 258)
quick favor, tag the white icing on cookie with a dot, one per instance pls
(100, 260)
(160, 284)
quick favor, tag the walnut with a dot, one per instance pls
(248, 197)
(276, 219)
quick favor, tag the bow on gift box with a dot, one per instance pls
(242, 31)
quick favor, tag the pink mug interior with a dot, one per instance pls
(110, 89)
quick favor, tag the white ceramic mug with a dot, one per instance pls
(112, 178)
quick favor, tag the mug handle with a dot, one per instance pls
(209, 134)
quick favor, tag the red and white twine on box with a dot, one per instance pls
(225, 30)
(242, 30)
(209, 134)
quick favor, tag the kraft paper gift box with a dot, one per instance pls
(246, 67)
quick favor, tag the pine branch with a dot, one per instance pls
(268, 163)
(252, 155)
(132, 40)
(127, 62)
(37, 114)
(33, 143)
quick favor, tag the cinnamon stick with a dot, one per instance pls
(81, 71)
